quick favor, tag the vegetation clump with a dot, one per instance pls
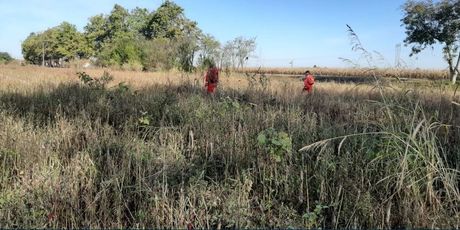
(103, 155)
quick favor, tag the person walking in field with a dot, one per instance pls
(211, 78)
(308, 82)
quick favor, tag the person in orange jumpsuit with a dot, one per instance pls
(308, 82)
(211, 78)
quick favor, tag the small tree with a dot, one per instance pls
(209, 49)
(5, 57)
(63, 41)
(228, 56)
(243, 48)
(428, 23)
(68, 42)
(159, 53)
(187, 47)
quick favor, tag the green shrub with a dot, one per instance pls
(276, 143)
(5, 58)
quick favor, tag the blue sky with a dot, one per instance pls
(305, 31)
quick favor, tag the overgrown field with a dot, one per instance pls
(156, 151)
(358, 72)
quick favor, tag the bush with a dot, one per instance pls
(158, 54)
(122, 51)
(5, 58)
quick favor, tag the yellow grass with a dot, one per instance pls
(25, 79)
(15, 77)
(364, 72)
(167, 156)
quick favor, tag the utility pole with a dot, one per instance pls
(43, 55)
(398, 55)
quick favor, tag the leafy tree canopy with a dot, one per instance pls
(427, 23)
(5, 57)
(63, 41)
(136, 39)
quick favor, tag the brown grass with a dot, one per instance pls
(29, 77)
(162, 153)
(360, 72)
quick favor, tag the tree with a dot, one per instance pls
(122, 51)
(209, 49)
(138, 20)
(40, 47)
(228, 55)
(122, 38)
(159, 53)
(117, 23)
(33, 48)
(186, 50)
(188, 46)
(428, 23)
(69, 43)
(60, 42)
(96, 31)
(243, 48)
(138, 30)
(170, 22)
(116, 37)
(5, 57)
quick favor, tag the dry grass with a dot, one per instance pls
(164, 154)
(360, 72)
(30, 78)
(16, 77)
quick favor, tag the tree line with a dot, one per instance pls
(165, 39)
(137, 40)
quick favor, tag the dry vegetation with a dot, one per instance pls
(158, 152)
(358, 72)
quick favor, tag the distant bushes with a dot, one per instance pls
(5, 58)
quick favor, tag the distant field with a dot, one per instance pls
(34, 76)
(15, 77)
(360, 72)
(157, 152)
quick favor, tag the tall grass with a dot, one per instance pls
(355, 71)
(168, 155)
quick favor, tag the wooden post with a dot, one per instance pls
(43, 55)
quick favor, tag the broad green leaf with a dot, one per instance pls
(262, 139)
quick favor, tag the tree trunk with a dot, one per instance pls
(454, 77)
(455, 71)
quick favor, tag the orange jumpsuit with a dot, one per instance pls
(211, 79)
(308, 83)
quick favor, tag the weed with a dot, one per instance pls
(96, 83)
(276, 143)
(315, 217)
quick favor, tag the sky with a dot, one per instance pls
(306, 32)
